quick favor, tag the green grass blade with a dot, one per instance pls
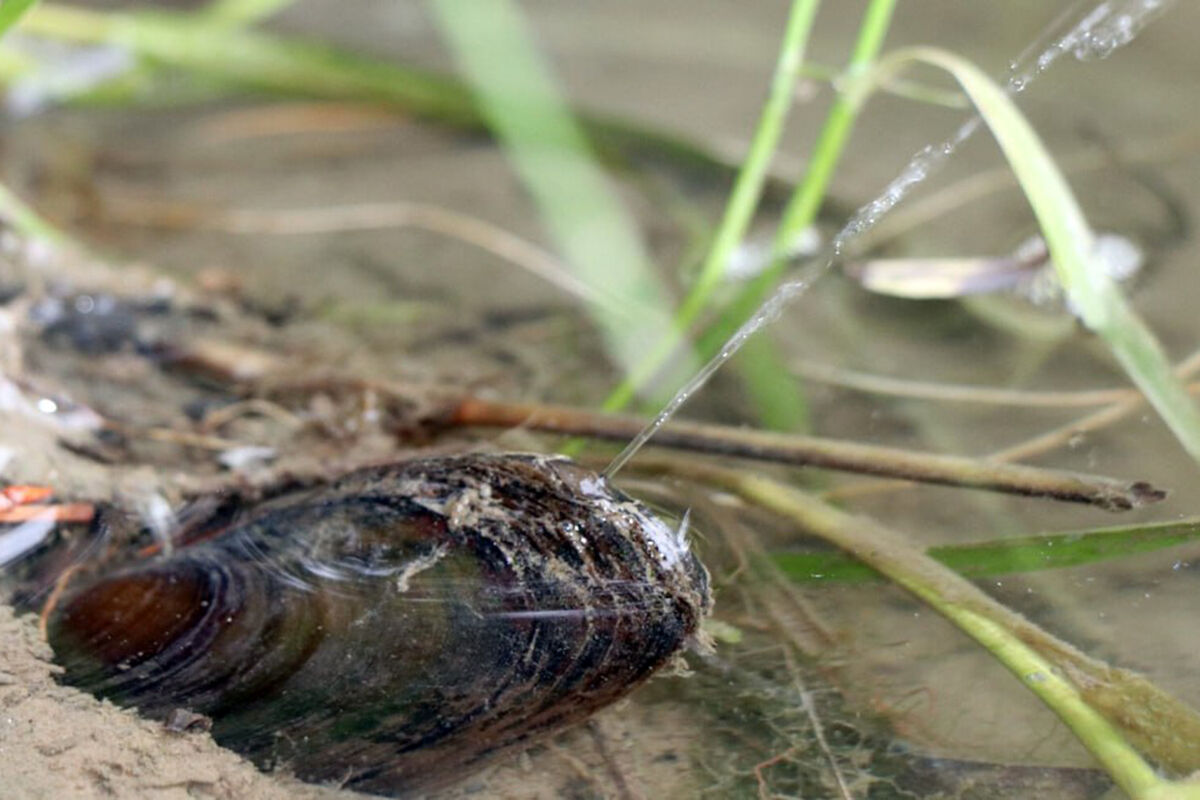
(256, 60)
(1059, 674)
(248, 59)
(25, 220)
(801, 210)
(243, 12)
(551, 153)
(743, 199)
(11, 12)
(1006, 556)
(13, 210)
(771, 388)
(1095, 296)
(777, 400)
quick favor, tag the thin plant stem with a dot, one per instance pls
(959, 393)
(801, 210)
(1048, 667)
(1059, 437)
(1038, 445)
(743, 199)
(1126, 767)
(11, 12)
(25, 220)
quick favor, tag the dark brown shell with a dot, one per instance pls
(401, 625)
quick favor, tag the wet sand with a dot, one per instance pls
(57, 742)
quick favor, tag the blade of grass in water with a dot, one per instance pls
(257, 61)
(777, 401)
(773, 392)
(12, 209)
(802, 208)
(1095, 297)
(25, 220)
(744, 197)
(243, 12)
(558, 166)
(1104, 706)
(11, 11)
(988, 559)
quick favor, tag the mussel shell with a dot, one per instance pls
(401, 625)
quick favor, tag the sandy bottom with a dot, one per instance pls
(57, 742)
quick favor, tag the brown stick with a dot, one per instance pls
(1107, 493)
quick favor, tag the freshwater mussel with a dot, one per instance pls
(400, 626)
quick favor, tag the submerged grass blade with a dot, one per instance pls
(25, 220)
(778, 402)
(744, 197)
(247, 59)
(801, 210)
(243, 12)
(13, 210)
(773, 392)
(1102, 705)
(255, 60)
(11, 12)
(1095, 296)
(1006, 556)
(551, 153)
